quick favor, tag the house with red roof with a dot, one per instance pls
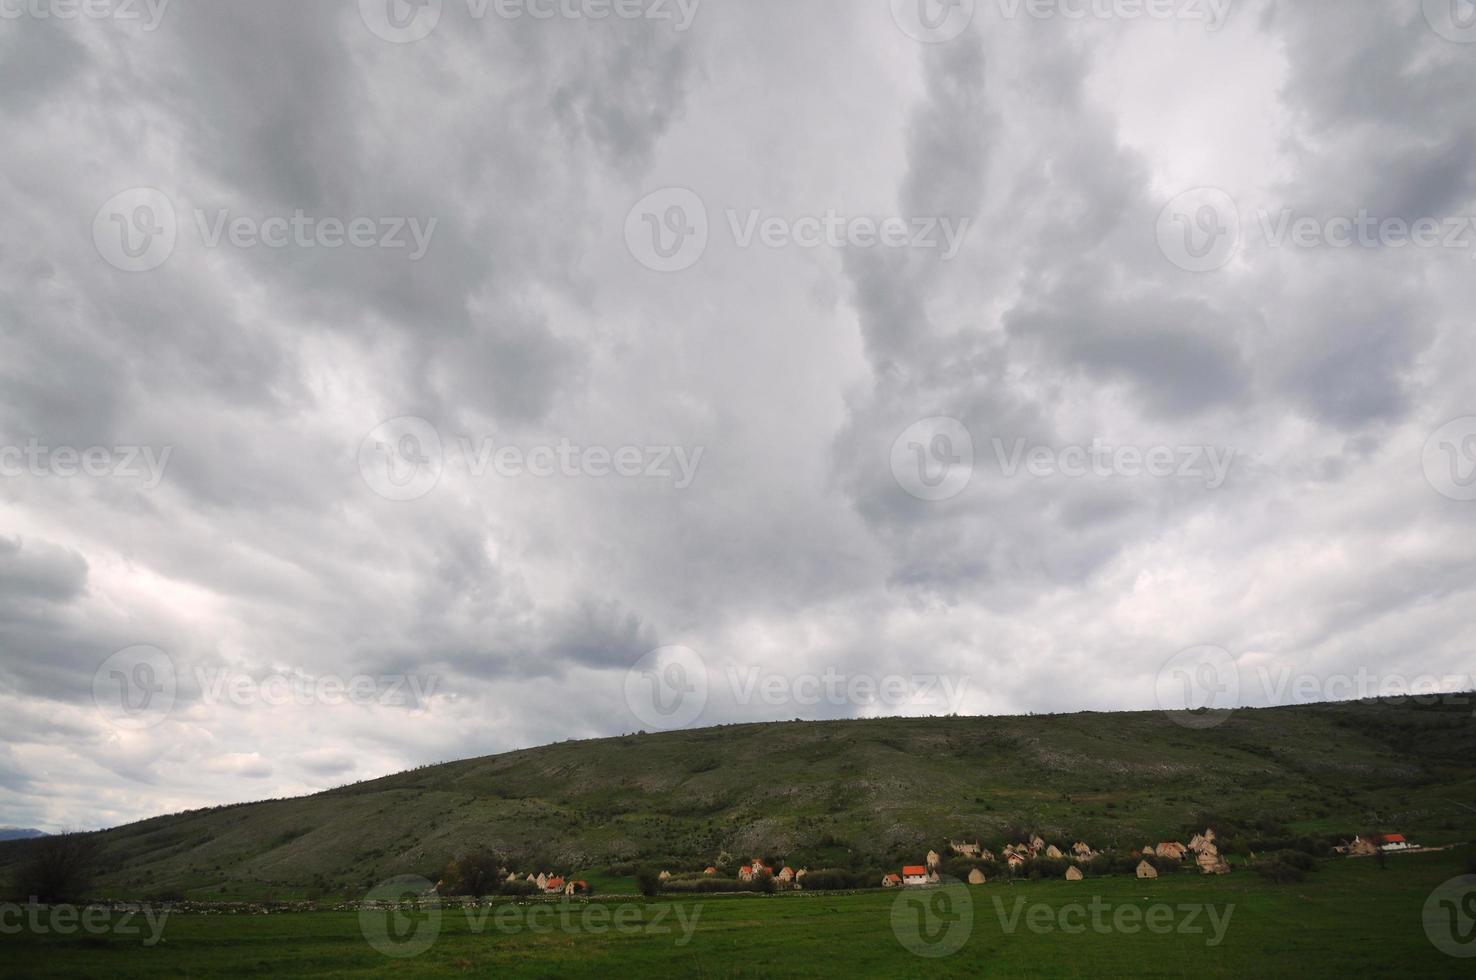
(915, 874)
(1391, 842)
(891, 881)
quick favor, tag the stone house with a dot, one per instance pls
(915, 874)
(891, 881)
(963, 849)
(933, 859)
(1073, 873)
(1146, 870)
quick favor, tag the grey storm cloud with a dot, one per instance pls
(271, 546)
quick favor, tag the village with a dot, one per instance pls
(1201, 854)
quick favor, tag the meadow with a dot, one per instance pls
(1349, 916)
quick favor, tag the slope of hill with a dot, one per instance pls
(20, 833)
(821, 793)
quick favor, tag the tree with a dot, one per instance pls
(58, 869)
(648, 880)
(475, 873)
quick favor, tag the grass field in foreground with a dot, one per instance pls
(1348, 917)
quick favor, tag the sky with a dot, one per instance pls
(389, 382)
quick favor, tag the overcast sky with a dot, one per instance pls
(826, 321)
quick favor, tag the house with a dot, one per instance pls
(1082, 850)
(891, 881)
(915, 874)
(664, 876)
(512, 876)
(1362, 848)
(801, 873)
(1073, 873)
(1036, 843)
(787, 874)
(1210, 862)
(1149, 850)
(933, 858)
(1199, 841)
(1016, 860)
(1146, 870)
(577, 888)
(541, 881)
(1172, 850)
(554, 886)
(1054, 852)
(757, 869)
(1391, 842)
(976, 877)
(964, 849)
(709, 870)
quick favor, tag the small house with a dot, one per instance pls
(1073, 873)
(1146, 870)
(786, 874)
(915, 874)
(577, 888)
(933, 858)
(976, 877)
(891, 881)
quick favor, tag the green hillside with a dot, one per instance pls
(850, 793)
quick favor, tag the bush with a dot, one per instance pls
(475, 873)
(518, 889)
(648, 880)
(834, 879)
(1285, 867)
(705, 884)
(57, 869)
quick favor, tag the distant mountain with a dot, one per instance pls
(20, 833)
(826, 794)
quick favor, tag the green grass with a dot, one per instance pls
(861, 793)
(1349, 918)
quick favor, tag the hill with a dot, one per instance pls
(861, 793)
(20, 833)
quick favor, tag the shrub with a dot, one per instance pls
(834, 879)
(648, 881)
(475, 873)
(518, 889)
(57, 869)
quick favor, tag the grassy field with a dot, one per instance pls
(1350, 917)
(862, 794)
